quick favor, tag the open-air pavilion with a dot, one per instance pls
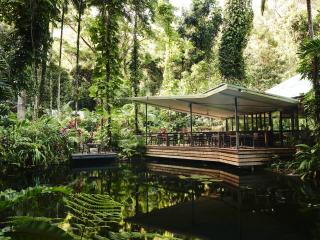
(253, 126)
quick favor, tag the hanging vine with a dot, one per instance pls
(238, 24)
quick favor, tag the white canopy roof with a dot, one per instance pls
(219, 102)
(293, 87)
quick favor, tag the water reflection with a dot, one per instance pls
(202, 201)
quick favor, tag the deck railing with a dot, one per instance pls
(225, 139)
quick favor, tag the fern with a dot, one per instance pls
(138, 235)
(93, 212)
(11, 197)
(34, 228)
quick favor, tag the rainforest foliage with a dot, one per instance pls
(60, 57)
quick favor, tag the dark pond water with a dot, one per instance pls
(198, 201)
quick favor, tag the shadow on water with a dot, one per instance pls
(192, 200)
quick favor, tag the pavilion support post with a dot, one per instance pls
(270, 129)
(232, 124)
(292, 123)
(237, 121)
(257, 126)
(281, 129)
(244, 123)
(227, 126)
(146, 123)
(191, 123)
(296, 124)
(252, 122)
(270, 121)
(264, 122)
(260, 121)
(297, 119)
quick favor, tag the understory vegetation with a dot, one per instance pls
(67, 69)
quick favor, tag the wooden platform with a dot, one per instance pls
(237, 157)
(88, 156)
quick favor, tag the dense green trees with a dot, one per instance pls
(153, 50)
(142, 14)
(201, 27)
(104, 51)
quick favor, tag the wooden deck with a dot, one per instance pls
(237, 157)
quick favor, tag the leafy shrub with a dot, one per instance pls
(39, 142)
(131, 145)
(307, 161)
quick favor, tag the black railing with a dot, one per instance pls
(225, 139)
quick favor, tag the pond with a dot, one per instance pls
(183, 200)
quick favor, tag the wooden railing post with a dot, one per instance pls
(281, 129)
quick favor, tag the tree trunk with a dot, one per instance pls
(135, 72)
(50, 93)
(60, 57)
(36, 95)
(44, 61)
(315, 61)
(76, 95)
(21, 106)
(108, 78)
(42, 89)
